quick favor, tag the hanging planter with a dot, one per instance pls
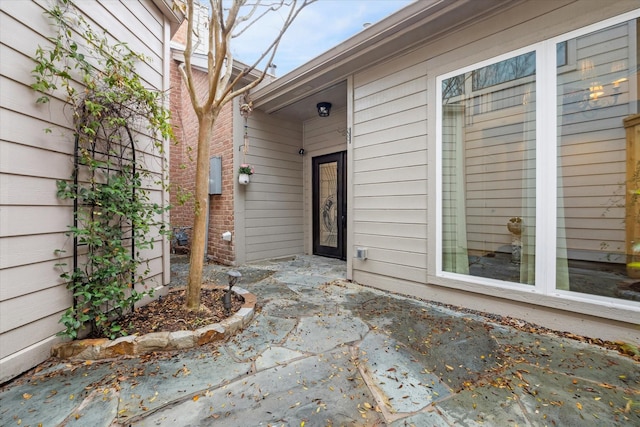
(244, 172)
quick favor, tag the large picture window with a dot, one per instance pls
(535, 167)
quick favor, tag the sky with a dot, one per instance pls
(319, 27)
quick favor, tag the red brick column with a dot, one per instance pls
(182, 166)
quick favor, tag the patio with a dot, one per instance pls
(323, 351)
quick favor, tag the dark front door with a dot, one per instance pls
(329, 205)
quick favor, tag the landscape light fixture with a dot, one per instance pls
(226, 301)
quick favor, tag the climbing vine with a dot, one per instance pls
(114, 215)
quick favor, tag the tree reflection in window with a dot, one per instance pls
(505, 71)
(501, 72)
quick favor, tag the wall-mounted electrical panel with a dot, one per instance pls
(215, 175)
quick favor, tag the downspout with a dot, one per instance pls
(166, 166)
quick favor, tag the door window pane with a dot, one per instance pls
(488, 171)
(598, 219)
(328, 215)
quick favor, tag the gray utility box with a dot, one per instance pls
(215, 175)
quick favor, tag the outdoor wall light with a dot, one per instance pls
(301, 151)
(226, 301)
(323, 109)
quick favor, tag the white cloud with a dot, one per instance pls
(318, 28)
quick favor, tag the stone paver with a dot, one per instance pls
(319, 390)
(321, 351)
(404, 383)
(318, 334)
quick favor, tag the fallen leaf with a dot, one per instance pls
(579, 405)
(195, 398)
(449, 368)
(27, 396)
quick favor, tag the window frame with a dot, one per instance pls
(544, 288)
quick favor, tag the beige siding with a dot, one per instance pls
(271, 205)
(389, 173)
(33, 221)
(394, 163)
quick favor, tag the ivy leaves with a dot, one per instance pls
(114, 217)
(113, 222)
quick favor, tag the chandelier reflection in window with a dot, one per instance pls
(599, 94)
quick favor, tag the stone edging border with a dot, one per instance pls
(135, 345)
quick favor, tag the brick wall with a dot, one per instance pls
(183, 166)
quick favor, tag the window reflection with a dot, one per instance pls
(597, 174)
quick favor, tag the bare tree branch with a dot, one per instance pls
(271, 8)
(186, 71)
(222, 87)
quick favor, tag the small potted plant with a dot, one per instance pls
(244, 172)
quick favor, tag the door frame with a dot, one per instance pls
(340, 251)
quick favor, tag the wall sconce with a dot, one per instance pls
(323, 109)
(301, 151)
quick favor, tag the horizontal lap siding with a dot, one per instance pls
(513, 28)
(273, 211)
(33, 221)
(390, 170)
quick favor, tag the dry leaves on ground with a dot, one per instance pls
(168, 313)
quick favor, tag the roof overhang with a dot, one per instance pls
(200, 62)
(172, 13)
(295, 94)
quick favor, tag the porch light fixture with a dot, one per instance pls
(323, 109)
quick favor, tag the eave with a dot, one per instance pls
(399, 33)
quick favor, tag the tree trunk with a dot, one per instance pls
(198, 243)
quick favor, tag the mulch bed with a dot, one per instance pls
(168, 313)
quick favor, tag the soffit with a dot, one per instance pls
(173, 14)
